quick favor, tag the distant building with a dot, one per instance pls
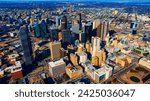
(54, 34)
(57, 68)
(55, 50)
(64, 23)
(58, 21)
(66, 38)
(96, 23)
(88, 31)
(26, 45)
(43, 29)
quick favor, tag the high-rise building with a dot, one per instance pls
(88, 31)
(55, 50)
(54, 34)
(103, 29)
(95, 45)
(26, 45)
(57, 21)
(43, 29)
(99, 30)
(96, 23)
(36, 30)
(66, 37)
(82, 37)
(79, 21)
(64, 23)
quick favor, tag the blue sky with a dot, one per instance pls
(87, 0)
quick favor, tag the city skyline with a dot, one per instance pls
(107, 1)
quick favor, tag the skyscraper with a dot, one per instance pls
(102, 29)
(26, 45)
(96, 45)
(64, 23)
(79, 21)
(105, 29)
(88, 31)
(43, 29)
(55, 50)
(66, 38)
(57, 21)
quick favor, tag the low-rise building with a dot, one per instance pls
(16, 71)
(57, 68)
(103, 73)
(82, 57)
(74, 59)
(123, 60)
(145, 62)
(74, 72)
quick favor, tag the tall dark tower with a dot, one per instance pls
(103, 29)
(43, 29)
(99, 28)
(79, 21)
(88, 32)
(26, 45)
(64, 23)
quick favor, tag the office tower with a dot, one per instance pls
(103, 29)
(82, 38)
(26, 45)
(96, 23)
(43, 29)
(88, 31)
(57, 21)
(75, 28)
(99, 30)
(66, 38)
(95, 45)
(54, 34)
(36, 29)
(79, 21)
(64, 23)
(55, 50)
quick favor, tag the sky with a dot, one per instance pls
(87, 0)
